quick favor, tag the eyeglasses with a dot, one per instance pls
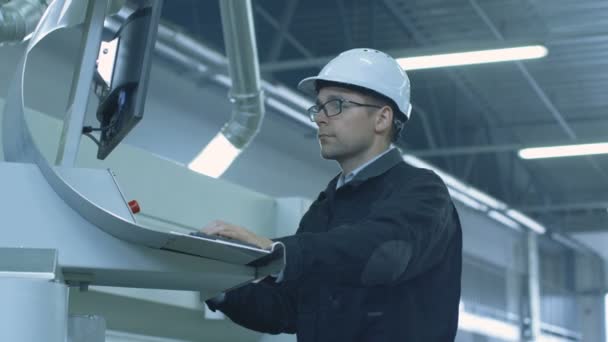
(333, 107)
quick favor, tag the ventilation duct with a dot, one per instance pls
(245, 95)
(18, 18)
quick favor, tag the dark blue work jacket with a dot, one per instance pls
(379, 259)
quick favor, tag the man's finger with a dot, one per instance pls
(211, 229)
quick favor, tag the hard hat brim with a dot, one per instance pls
(307, 85)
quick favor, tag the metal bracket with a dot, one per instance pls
(33, 263)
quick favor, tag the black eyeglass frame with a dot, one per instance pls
(313, 111)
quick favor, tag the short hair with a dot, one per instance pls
(399, 118)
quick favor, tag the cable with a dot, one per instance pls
(92, 137)
(89, 129)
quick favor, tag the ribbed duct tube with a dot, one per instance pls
(245, 95)
(18, 18)
(243, 67)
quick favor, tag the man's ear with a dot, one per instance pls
(384, 119)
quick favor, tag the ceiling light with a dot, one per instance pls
(504, 219)
(526, 221)
(215, 158)
(487, 199)
(473, 57)
(466, 200)
(563, 151)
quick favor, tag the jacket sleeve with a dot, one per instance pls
(266, 307)
(405, 234)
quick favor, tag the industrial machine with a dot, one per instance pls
(66, 227)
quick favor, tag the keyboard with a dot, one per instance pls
(223, 239)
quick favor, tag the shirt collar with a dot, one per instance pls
(374, 171)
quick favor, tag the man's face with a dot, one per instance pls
(349, 133)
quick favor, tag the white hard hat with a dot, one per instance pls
(367, 68)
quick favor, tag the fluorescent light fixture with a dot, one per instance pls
(485, 198)
(466, 200)
(504, 219)
(452, 182)
(417, 162)
(526, 221)
(215, 158)
(472, 57)
(563, 151)
(606, 315)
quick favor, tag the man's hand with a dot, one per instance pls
(231, 231)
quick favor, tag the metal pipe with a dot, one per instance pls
(18, 19)
(246, 94)
(533, 288)
(241, 61)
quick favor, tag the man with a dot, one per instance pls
(377, 257)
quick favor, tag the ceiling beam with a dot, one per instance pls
(344, 17)
(295, 64)
(277, 45)
(484, 108)
(573, 228)
(529, 78)
(584, 217)
(565, 207)
(591, 37)
(557, 115)
(457, 79)
(426, 126)
(288, 36)
(436, 122)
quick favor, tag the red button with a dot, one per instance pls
(134, 207)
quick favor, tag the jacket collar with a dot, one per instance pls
(379, 166)
(376, 168)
